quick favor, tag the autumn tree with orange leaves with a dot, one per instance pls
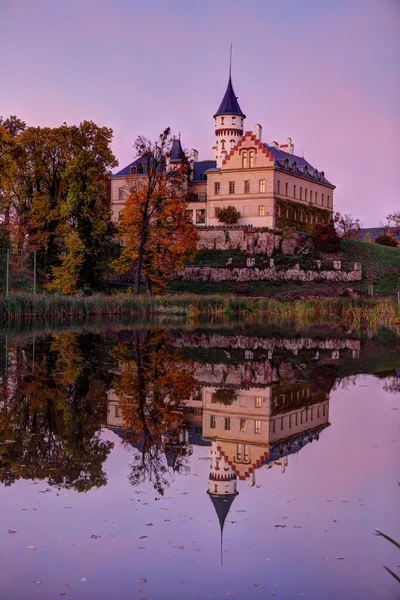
(156, 234)
(152, 383)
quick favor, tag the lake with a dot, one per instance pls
(211, 460)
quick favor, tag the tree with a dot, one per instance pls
(156, 233)
(224, 396)
(228, 215)
(152, 384)
(52, 181)
(386, 240)
(65, 277)
(393, 222)
(368, 237)
(347, 226)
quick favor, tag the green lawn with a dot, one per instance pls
(378, 262)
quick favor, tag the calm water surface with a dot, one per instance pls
(243, 462)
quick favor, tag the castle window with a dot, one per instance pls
(241, 122)
(286, 189)
(322, 199)
(232, 144)
(328, 202)
(261, 211)
(217, 188)
(305, 194)
(222, 144)
(239, 449)
(294, 191)
(212, 422)
(279, 187)
(244, 160)
(273, 426)
(246, 452)
(301, 193)
(117, 412)
(133, 170)
(231, 187)
(227, 488)
(316, 197)
(257, 426)
(311, 196)
(227, 424)
(251, 159)
(200, 216)
(258, 401)
(261, 185)
(233, 120)
(242, 424)
(222, 120)
(215, 488)
(247, 187)
(121, 193)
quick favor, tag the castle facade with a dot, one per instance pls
(267, 183)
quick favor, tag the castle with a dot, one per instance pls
(267, 183)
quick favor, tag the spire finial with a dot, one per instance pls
(230, 63)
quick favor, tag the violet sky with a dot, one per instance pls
(325, 72)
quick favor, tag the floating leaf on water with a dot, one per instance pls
(340, 558)
(63, 594)
(259, 585)
(31, 548)
(143, 537)
(143, 580)
(179, 547)
(149, 524)
(11, 531)
(83, 579)
(37, 582)
(280, 526)
(95, 537)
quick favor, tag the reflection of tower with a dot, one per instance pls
(221, 486)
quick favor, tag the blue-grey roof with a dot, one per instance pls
(140, 163)
(229, 104)
(176, 153)
(200, 167)
(296, 164)
(375, 232)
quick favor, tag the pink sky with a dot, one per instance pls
(325, 73)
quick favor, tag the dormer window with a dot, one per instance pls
(133, 171)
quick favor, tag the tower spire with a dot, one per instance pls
(230, 63)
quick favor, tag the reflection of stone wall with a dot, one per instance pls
(242, 342)
(216, 274)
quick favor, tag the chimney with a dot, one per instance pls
(257, 131)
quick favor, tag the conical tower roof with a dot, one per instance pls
(230, 104)
(222, 505)
(176, 153)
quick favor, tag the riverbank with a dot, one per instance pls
(356, 313)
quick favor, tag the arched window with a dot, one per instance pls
(251, 158)
(244, 160)
(232, 143)
(222, 144)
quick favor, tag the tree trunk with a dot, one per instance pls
(139, 266)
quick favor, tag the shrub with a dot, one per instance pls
(224, 396)
(325, 238)
(386, 240)
(228, 215)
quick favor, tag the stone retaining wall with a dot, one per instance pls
(270, 274)
(248, 241)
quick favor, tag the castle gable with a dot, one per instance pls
(249, 152)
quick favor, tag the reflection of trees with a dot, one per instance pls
(52, 407)
(152, 383)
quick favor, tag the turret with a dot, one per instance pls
(229, 123)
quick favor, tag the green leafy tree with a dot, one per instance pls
(228, 215)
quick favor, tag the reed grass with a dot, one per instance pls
(358, 313)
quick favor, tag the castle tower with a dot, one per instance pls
(229, 120)
(221, 487)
